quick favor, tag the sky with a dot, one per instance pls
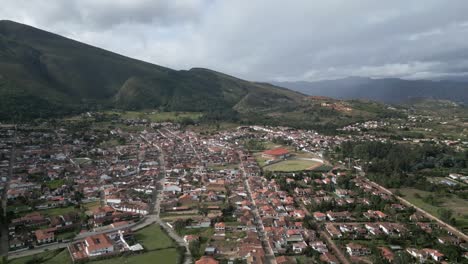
(268, 40)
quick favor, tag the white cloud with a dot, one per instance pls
(264, 39)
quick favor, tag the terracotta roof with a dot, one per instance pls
(98, 242)
(276, 152)
(206, 260)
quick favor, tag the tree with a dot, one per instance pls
(195, 249)
(402, 258)
(446, 215)
(203, 210)
(179, 225)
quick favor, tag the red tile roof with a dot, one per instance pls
(276, 152)
(206, 260)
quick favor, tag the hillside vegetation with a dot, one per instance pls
(45, 75)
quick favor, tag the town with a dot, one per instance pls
(244, 194)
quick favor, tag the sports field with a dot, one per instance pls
(293, 165)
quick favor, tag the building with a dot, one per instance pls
(320, 216)
(220, 226)
(97, 245)
(278, 153)
(354, 249)
(45, 235)
(207, 260)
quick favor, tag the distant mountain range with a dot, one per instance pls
(44, 74)
(389, 90)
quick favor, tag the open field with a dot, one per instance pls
(457, 205)
(160, 116)
(58, 211)
(153, 237)
(169, 255)
(225, 167)
(60, 256)
(293, 165)
(91, 205)
(208, 128)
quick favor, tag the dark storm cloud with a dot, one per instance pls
(269, 40)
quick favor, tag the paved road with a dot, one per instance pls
(338, 252)
(156, 205)
(269, 254)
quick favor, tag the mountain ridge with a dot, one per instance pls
(53, 73)
(387, 90)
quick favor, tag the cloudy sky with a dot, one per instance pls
(267, 40)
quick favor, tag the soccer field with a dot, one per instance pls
(293, 165)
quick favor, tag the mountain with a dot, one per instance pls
(389, 90)
(46, 75)
(43, 74)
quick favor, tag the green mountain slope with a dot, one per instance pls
(43, 74)
(46, 75)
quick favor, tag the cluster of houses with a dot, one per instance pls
(209, 181)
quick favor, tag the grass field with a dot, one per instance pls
(58, 211)
(161, 116)
(54, 184)
(292, 165)
(457, 205)
(60, 256)
(153, 237)
(169, 255)
(91, 205)
(225, 167)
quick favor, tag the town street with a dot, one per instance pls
(269, 254)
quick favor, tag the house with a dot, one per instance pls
(102, 212)
(210, 251)
(355, 249)
(333, 216)
(434, 254)
(387, 254)
(16, 243)
(45, 235)
(370, 214)
(319, 246)
(206, 260)
(416, 253)
(298, 248)
(220, 226)
(97, 245)
(320, 216)
(333, 231)
(448, 240)
(191, 238)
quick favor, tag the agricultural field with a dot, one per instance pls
(160, 116)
